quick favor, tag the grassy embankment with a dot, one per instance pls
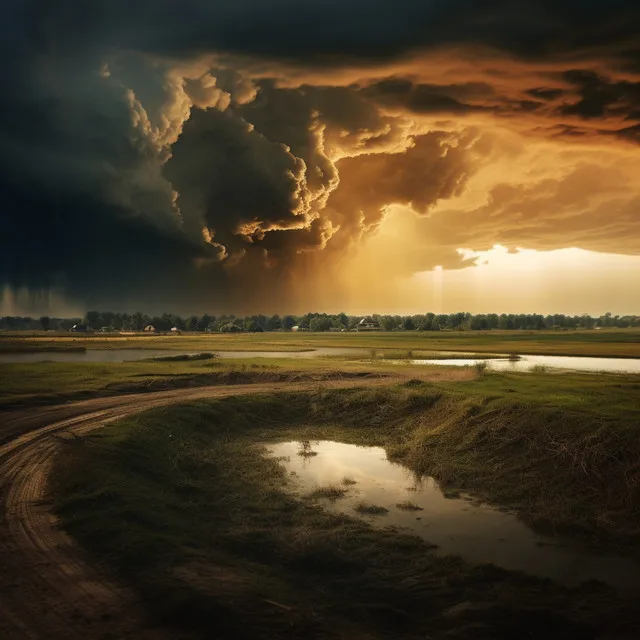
(48, 383)
(613, 342)
(202, 524)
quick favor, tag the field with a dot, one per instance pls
(136, 493)
(180, 503)
(622, 343)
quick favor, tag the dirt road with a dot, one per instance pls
(48, 586)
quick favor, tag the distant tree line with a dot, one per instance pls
(111, 321)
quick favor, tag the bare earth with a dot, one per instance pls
(49, 588)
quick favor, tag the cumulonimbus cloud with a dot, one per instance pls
(236, 146)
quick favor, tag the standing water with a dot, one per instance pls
(479, 533)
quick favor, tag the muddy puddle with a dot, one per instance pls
(456, 524)
(532, 363)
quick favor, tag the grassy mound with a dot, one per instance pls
(187, 510)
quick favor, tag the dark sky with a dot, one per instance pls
(237, 155)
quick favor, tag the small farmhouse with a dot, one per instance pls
(368, 324)
(149, 329)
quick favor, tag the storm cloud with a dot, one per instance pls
(235, 155)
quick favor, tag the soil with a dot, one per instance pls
(49, 587)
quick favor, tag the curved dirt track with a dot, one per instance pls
(48, 587)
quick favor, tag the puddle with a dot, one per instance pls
(479, 533)
(527, 363)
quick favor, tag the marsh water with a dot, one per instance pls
(524, 364)
(457, 525)
(528, 363)
(126, 355)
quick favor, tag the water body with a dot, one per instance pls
(126, 355)
(526, 363)
(479, 533)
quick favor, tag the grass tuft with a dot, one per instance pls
(195, 518)
(409, 506)
(367, 509)
(330, 492)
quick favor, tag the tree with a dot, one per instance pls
(138, 321)
(320, 324)
(107, 318)
(205, 321)
(342, 321)
(274, 323)
(192, 323)
(386, 323)
(288, 322)
(408, 324)
(93, 319)
(45, 321)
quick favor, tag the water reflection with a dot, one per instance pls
(458, 526)
(125, 355)
(528, 363)
(524, 364)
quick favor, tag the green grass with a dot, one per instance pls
(599, 395)
(408, 506)
(205, 527)
(46, 383)
(367, 509)
(330, 492)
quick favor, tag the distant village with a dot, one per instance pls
(110, 322)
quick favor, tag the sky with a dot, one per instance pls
(243, 156)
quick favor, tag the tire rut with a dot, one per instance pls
(49, 588)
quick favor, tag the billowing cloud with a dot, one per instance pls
(239, 155)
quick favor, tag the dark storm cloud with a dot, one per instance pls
(359, 28)
(424, 98)
(599, 96)
(213, 162)
(436, 167)
(125, 163)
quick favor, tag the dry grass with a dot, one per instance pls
(202, 522)
(368, 509)
(409, 506)
(330, 492)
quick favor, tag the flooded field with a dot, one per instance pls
(443, 358)
(529, 363)
(126, 355)
(362, 482)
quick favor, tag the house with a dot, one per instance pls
(368, 324)
(230, 328)
(149, 329)
(175, 330)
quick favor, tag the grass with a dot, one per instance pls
(408, 506)
(46, 383)
(306, 451)
(184, 357)
(206, 530)
(367, 509)
(623, 343)
(330, 492)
